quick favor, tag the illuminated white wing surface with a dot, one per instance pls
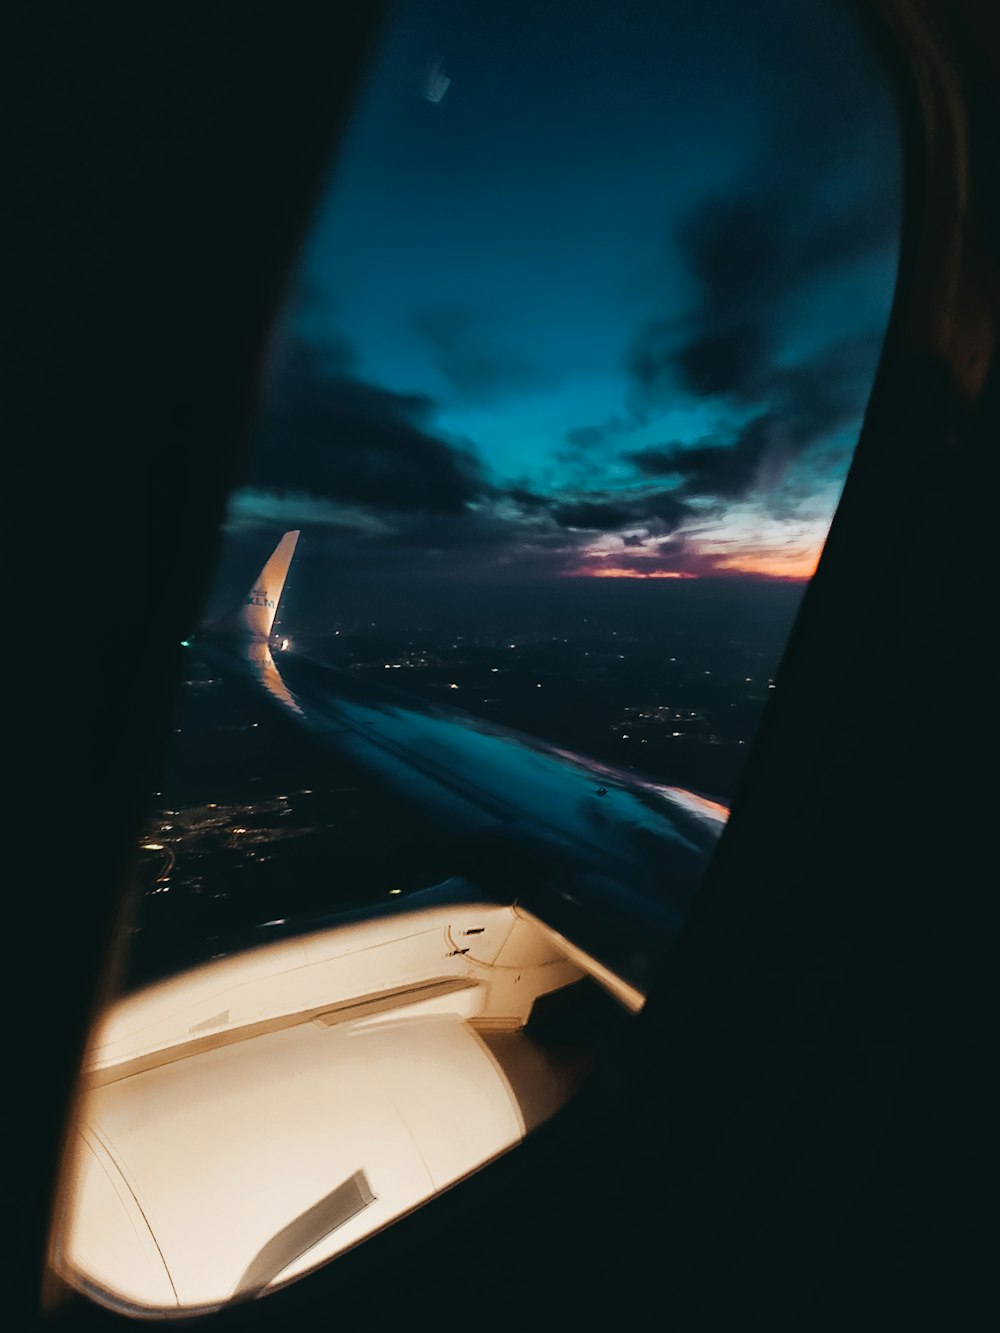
(250, 1119)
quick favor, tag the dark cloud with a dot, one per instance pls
(728, 362)
(672, 547)
(804, 405)
(672, 555)
(528, 500)
(748, 253)
(661, 460)
(602, 511)
(663, 510)
(477, 532)
(583, 438)
(481, 545)
(733, 249)
(592, 515)
(324, 433)
(756, 459)
(467, 352)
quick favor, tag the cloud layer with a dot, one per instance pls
(623, 323)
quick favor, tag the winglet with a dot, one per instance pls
(256, 616)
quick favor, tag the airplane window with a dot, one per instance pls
(552, 429)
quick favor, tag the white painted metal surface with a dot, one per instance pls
(248, 1120)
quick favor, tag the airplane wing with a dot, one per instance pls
(248, 1119)
(608, 859)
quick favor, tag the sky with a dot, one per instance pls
(596, 290)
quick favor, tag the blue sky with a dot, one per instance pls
(611, 306)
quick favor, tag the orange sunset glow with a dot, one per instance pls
(797, 564)
(619, 572)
